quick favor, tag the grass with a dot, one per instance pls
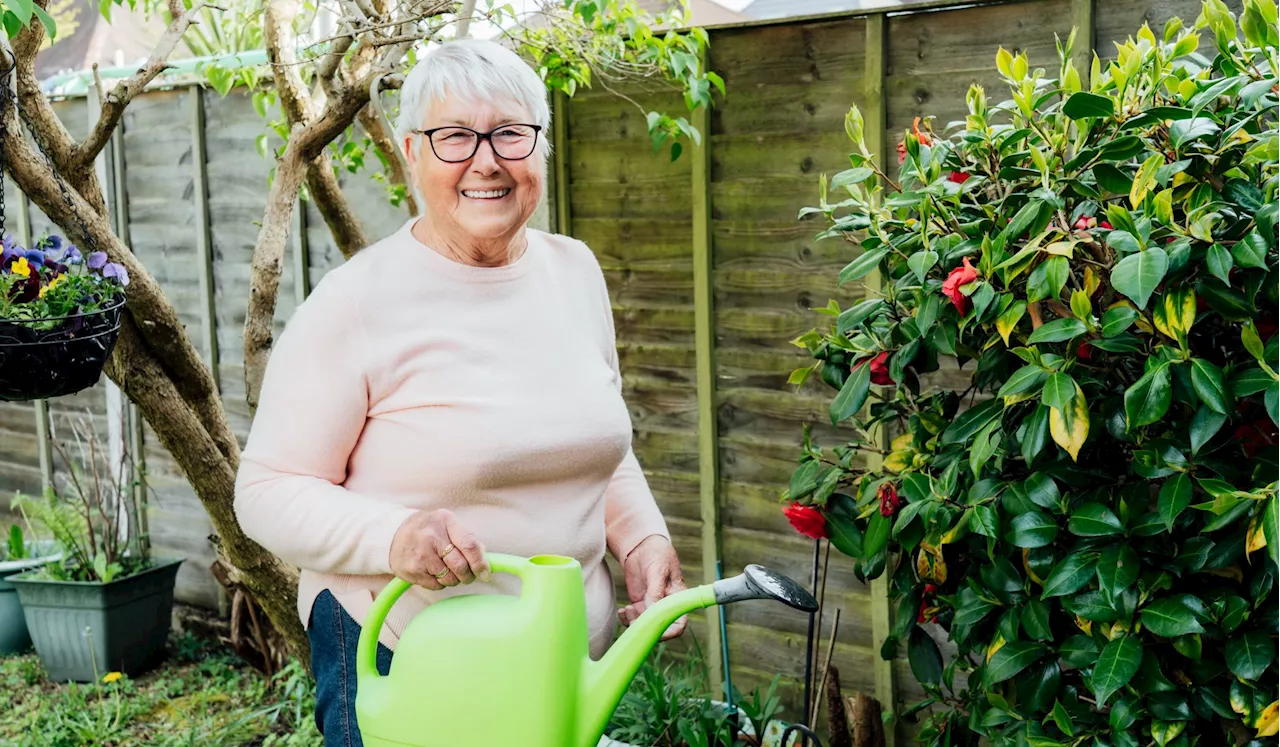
(203, 696)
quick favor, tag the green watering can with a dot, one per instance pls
(496, 670)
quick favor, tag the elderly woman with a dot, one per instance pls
(453, 389)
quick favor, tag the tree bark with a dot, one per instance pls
(372, 122)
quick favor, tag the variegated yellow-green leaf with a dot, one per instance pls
(1004, 61)
(1009, 319)
(1070, 426)
(1269, 723)
(1061, 248)
(1144, 179)
(1081, 306)
(1164, 206)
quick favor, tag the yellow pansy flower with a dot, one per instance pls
(112, 677)
(52, 284)
(21, 267)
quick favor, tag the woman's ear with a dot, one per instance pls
(410, 153)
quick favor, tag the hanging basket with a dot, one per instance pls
(54, 356)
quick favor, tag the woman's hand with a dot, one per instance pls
(432, 550)
(652, 571)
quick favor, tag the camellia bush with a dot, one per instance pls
(1092, 523)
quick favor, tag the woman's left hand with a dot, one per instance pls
(652, 571)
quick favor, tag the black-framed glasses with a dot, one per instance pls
(455, 144)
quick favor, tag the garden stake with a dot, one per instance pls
(822, 679)
(817, 636)
(808, 656)
(526, 657)
(724, 648)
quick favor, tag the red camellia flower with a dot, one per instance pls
(959, 177)
(921, 137)
(1085, 222)
(1105, 225)
(807, 520)
(1084, 352)
(958, 277)
(1255, 436)
(879, 369)
(889, 500)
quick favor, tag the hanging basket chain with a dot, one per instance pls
(8, 98)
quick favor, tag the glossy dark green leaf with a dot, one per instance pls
(1070, 574)
(1148, 399)
(1091, 605)
(852, 395)
(921, 262)
(971, 610)
(1042, 490)
(1038, 685)
(1048, 279)
(1118, 568)
(842, 529)
(971, 421)
(1137, 275)
(1011, 658)
(1059, 330)
(1148, 525)
(1121, 149)
(1062, 719)
(985, 521)
(1189, 646)
(1025, 379)
(1032, 529)
(1094, 520)
(1204, 426)
(1035, 620)
(1121, 343)
(1035, 434)
(1251, 252)
(857, 314)
(1117, 320)
(1079, 651)
(1117, 663)
(924, 657)
(1249, 655)
(1171, 706)
(1059, 391)
(1083, 105)
(1170, 618)
(1149, 678)
(1219, 262)
(1209, 386)
(1250, 380)
(1175, 496)
(877, 536)
(1186, 130)
(863, 265)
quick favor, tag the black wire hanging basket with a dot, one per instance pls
(54, 356)
(60, 310)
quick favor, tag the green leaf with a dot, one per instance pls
(1219, 262)
(1144, 180)
(1204, 426)
(1042, 490)
(984, 447)
(1094, 520)
(924, 656)
(857, 314)
(1070, 574)
(1112, 179)
(1059, 390)
(1007, 321)
(850, 177)
(1032, 529)
(1117, 320)
(1062, 719)
(842, 529)
(1251, 252)
(1059, 330)
(1186, 130)
(1117, 569)
(1036, 433)
(1011, 658)
(878, 528)
(971, 421)
(1148, 399)
(1137, 275)
(1079, 651)
(1025, 379)
(1035, 620)
(1207, 380)
(1175, 496)
(1048, 279)
(863, 265)
(921, 262)
(1271, 528)
(1117, 664)
(985, 521)
(1249, 655)
(1170, 618)
(1123, 241)
(1069, 426)
(852, 395)
(46, 20)
(1083, 105)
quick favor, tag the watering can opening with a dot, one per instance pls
(551, 560)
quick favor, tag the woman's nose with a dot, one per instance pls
(485, 161)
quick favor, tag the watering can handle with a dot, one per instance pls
(367, 648)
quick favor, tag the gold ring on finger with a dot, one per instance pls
(440, 575)
(447, 549)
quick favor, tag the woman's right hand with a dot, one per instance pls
(432, 550)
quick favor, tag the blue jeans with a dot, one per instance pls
(334, 635)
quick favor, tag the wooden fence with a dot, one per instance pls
(710, 274)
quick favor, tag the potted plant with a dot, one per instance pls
(59, 317)
(106, 604)
(667, 705)
(18, 554)
(1092, 522)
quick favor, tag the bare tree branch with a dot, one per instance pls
(115, 101)
(335, 208)
(464, 18)
(373, 122)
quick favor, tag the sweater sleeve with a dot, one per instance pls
(631, 512)
(311, 412)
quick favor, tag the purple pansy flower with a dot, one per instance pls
(34, 256)
(117, 271)
(97, 260)
(72, 255)
(52, 243)
(7, 255)
(7, 242)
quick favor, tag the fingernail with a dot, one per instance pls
(485, 575)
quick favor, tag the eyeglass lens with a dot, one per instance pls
(512, 142)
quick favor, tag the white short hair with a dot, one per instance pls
(475, 70)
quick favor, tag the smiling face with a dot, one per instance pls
(485, 200)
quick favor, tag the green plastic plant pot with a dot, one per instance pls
(14, 636)
(83, 630)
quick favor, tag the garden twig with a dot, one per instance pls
(831, 647)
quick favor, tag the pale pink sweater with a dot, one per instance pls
(409, 381)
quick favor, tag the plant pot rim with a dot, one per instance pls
(157, 565)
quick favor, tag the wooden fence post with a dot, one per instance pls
(204, 238)
(704, 347)
(560, 146)
(874, 132)
(1086, 33)
(44, 447)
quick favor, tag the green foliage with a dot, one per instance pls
(1095, 528)
(203, 696)
(52, 280)
(668, 705)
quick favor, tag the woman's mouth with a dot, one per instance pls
(486, 194)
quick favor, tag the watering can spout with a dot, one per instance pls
(605, 681)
